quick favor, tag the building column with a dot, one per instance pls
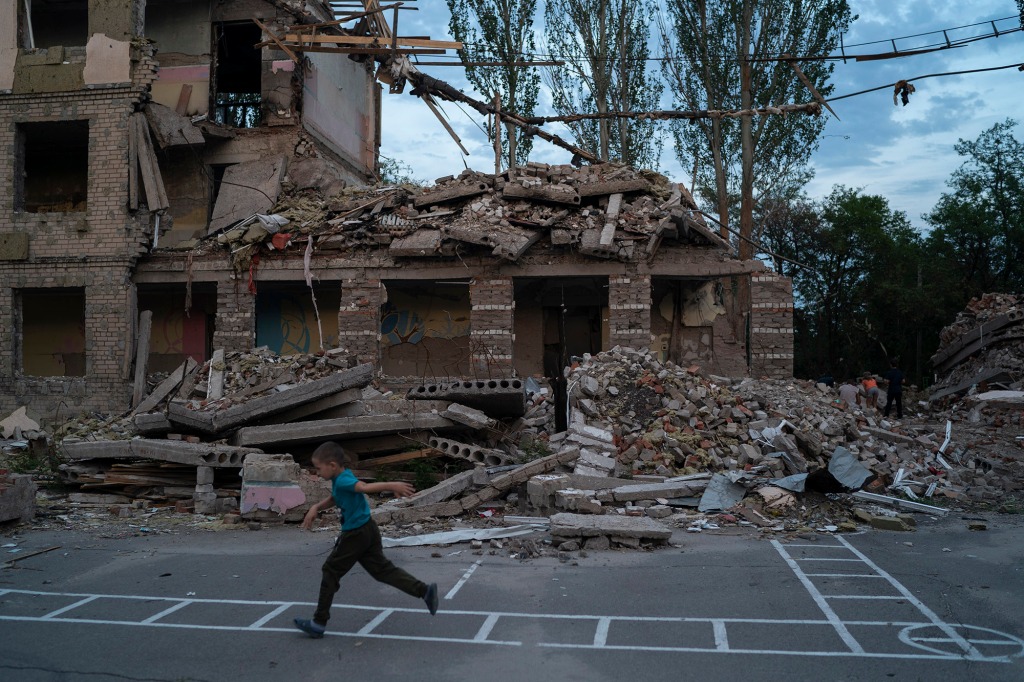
(359, 318)
(234, 328)
(492, 308)
(771, 326)
(629, 311)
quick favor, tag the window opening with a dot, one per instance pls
(237, 96)
(53, 160)
(54, 22)
(53, 332)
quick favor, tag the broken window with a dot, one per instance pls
(53, 160)
(178, 333)
(236, 77)
(52, 326)
(424, 329)
(49, 23)
(287, 321)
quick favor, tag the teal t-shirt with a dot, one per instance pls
(355, 510)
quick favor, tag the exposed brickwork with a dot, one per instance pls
(771, 326)
(492, 307)
(359, 318)
(235, 326)
(629, 311)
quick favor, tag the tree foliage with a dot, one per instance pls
(501, 31)
(605, 46)
(978, 227)
(705, 40)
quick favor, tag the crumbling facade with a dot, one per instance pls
(119, 122)
(169, 166)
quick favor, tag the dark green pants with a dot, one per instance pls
(363, 546)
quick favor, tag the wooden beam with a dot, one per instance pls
(370, 41)
(426, 453)
(359, 50)
(142, 356)
(276, 41)
(810, 86)
(183, 98)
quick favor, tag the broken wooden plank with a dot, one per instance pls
(425, 453)
(181, 108)
(142, 356)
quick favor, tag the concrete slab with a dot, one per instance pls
(315, 408)
(171, 129)
(283, 435)
(18, 421)
(181, 452)
(654, 491)
(467, 416)
(220, 421)
(496, 397)
(586, 525)
(165, 387)
(152, 424)
(17, 497)
(250, 187)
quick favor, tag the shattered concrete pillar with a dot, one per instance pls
(491, 315)
(235, 324)
(629, 311)
(771, 326)
(270, 488)
(359, 318)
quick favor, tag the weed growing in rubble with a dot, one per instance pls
(531, 449)
(423, 471)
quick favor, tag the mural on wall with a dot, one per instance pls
(286, 320)
(409, 316)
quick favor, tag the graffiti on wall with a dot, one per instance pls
(410, 317)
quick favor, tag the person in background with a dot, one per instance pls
(869, 389)
(894, 391)
(849, 394)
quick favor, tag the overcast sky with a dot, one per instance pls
(902, 153)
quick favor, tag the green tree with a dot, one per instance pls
(605, 45)
(707, 42)
(500, 31)
(978, 227)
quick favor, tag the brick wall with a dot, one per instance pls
(359, 318)
(234, 328)
(771, 326)
(629, 311)
(492, 307)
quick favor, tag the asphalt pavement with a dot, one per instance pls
(943, 602)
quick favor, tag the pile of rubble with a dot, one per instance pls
(607, 211)
(982, 350)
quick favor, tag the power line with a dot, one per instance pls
(1018, 65)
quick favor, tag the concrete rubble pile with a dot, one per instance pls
(607, 211)
(982, 350)
(249, 412)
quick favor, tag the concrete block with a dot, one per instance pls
(653, 491)
(152, 424)
(890, 523)
(573, 500)
(204, 475)
(180, 452)
(467, 416)
(597, 543)
(496, 397)
(17, 497)
(473, 453)
(580, 525)
(593, 464)
(659, 511)
(540, 490)
(14, 246)
(259, 467)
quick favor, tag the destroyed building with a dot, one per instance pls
(168, 176)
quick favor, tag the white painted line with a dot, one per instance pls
(830, 615)
(601, 634)
(485, 630)
(270, 616)
(861, 596)
(371, 626)
(927, 612)
(167, 612)
(78, 603)
(841, 575)
(721, 636)
(818, 546)
(3, 592)
(856, 561)
(771, 652)
(463, 579)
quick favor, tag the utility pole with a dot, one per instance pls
(746, 249)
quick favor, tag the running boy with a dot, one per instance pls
(359, 540)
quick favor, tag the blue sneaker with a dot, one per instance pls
(311, 628)
(431, 598)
